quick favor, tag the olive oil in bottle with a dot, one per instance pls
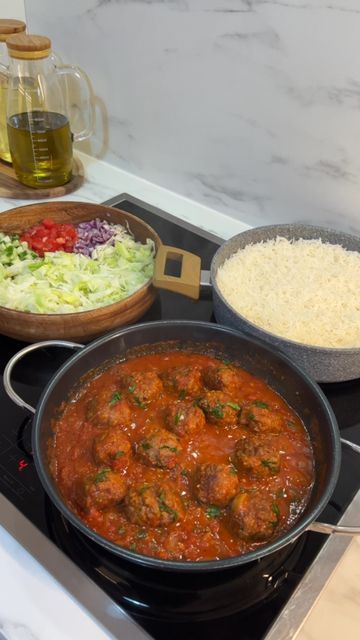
(41, 148)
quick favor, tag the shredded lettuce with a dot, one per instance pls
(68, 282)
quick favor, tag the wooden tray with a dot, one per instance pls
(10, 187)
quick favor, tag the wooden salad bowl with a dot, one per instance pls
(83, 326)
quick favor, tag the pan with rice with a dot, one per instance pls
(298, 288)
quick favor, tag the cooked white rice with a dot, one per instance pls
(304, 290)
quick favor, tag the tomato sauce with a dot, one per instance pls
(153, 454)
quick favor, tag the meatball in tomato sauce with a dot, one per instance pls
(112, 448)
(259, 416)
(141, 387)
(177, 455)
(153, 505)
(109, 408)
(221, 378)
(258, 455)
(185, 381)
(101, 491)
(159, 449)
(254, 516)
(215, 484)
(184, 418)
(219, 408)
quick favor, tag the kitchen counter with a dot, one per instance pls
(36, 601)
(104, 181)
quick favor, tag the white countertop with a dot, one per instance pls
(104, 181)
(36, 602)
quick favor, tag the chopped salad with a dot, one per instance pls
(65, 268)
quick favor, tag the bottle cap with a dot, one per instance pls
(28, 47)
(8, 27)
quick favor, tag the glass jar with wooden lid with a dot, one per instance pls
(39, 130)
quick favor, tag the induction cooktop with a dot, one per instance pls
(163, 606)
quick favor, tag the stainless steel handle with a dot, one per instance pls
(19, 355)
(324, 527)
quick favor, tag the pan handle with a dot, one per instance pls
(188, 283)
(323, 527)
(19, 355)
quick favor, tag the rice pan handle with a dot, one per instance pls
(18, 356)
(188, 283)
(323, 527)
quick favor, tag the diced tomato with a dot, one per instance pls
(50, 236)
(48, 223)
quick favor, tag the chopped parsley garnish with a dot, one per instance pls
(178, 417)
(146, 445)
(139, 403)
(119, 454)
(226, 362)
(165, 507)
(213, 512)
(250, 415)
(102, 475)
(260, 404)
(275, 509)
(182, 394)
(233, 405)
(185, 473)
(233, 470)
(167, 446)
(217, 411)
(132, 388)
(291, 424)
(270, 464)
(116, 396)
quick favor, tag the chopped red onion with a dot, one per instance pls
(93, 233)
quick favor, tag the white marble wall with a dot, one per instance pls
(248, 106)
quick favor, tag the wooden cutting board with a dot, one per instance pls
(10, 187)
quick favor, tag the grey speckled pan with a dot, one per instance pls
(322, 364)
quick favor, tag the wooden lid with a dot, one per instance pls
(8, 27)
(27, 46)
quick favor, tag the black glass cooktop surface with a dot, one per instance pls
(234, 604)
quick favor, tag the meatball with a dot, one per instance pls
(109, 408)
(159, 449)
(185, 381)
(112, 448)
(153, 505)
(215, 484)
(184, 418)
(142, 386)
(100, 491)
(221, 378)
(258, 416)
(258, 456)
(219, 408)
(254, 516)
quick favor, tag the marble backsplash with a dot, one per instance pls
(251, 107)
